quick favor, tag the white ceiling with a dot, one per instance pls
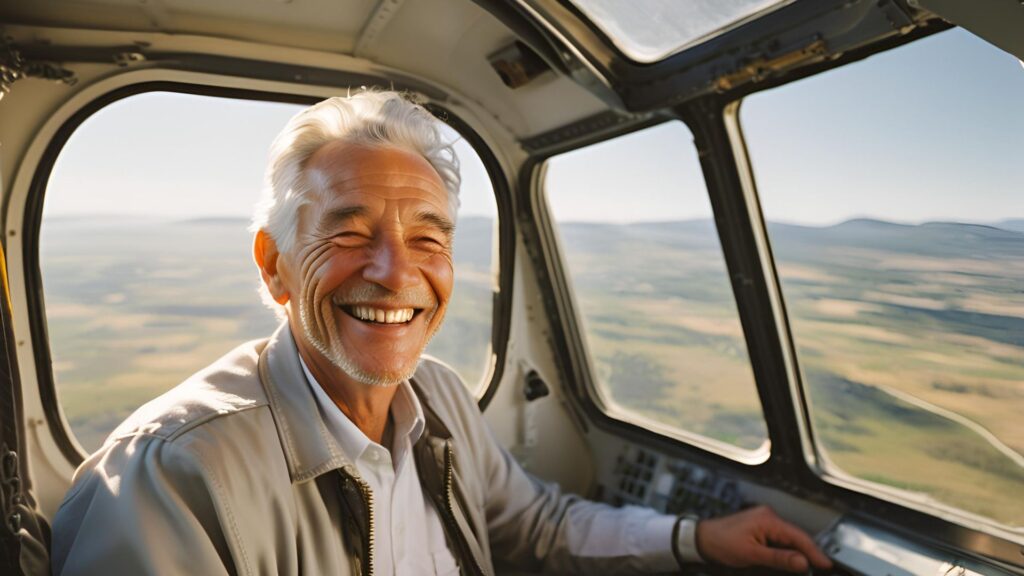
(443, 41)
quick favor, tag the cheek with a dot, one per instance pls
(323, 271)
(440, 273)
(288, 276)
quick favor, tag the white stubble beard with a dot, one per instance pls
(338, 356)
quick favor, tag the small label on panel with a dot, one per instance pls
(665, 483)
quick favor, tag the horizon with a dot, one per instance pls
(150, 219)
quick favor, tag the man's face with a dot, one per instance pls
(370, 274)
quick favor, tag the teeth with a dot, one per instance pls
(383, 316)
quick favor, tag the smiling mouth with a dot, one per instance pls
(371, 315)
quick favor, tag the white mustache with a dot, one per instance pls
(374, 294)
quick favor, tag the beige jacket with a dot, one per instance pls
(234, 472)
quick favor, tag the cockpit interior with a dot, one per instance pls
(710, 254)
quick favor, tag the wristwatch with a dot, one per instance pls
(676, 534)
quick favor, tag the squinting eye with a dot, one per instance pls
(431, 241)
(348, 236)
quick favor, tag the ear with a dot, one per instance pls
(264, 251)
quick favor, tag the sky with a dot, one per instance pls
(930, 131)
(179, 156)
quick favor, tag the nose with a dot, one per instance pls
(390, 265)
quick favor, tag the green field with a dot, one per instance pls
(910, 338)
(895, 325)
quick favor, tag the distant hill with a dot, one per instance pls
(473, 236)
(936, 239)
(1014, 224)
(606, 238)
(796, 242)
(1004, 239)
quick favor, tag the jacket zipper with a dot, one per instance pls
(449, 501)
(368, 541)
(368, 497)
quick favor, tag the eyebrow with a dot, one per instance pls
(442, 223)
(338, 217)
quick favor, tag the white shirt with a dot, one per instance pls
(413, 542)
(408, 535)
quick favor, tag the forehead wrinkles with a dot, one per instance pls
(347, 164)
(383, 179)
(368, 190)
(342, 176)
(331, 189)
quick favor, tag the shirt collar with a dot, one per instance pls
(406, 412)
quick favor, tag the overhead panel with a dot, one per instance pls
(647, 31)
(326, 25)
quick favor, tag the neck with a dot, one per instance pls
(365, 405)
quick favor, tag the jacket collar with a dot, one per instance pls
(309, 448)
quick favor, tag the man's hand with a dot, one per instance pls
(758, 537)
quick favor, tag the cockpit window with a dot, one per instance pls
(892, 194)
(655, 305)
(147, 262)
(650, 30)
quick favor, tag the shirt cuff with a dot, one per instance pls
(655, 543)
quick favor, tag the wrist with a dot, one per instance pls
(684, 541)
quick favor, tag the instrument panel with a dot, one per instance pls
(858, 547)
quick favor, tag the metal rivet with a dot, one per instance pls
(10, 463)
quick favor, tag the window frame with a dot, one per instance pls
(594, 390)
(31, 224)
(951, 526)
(572, 355)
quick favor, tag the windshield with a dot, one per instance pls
(650, 30)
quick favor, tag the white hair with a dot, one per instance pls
(369, 118)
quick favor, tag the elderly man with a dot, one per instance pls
(334, 447)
